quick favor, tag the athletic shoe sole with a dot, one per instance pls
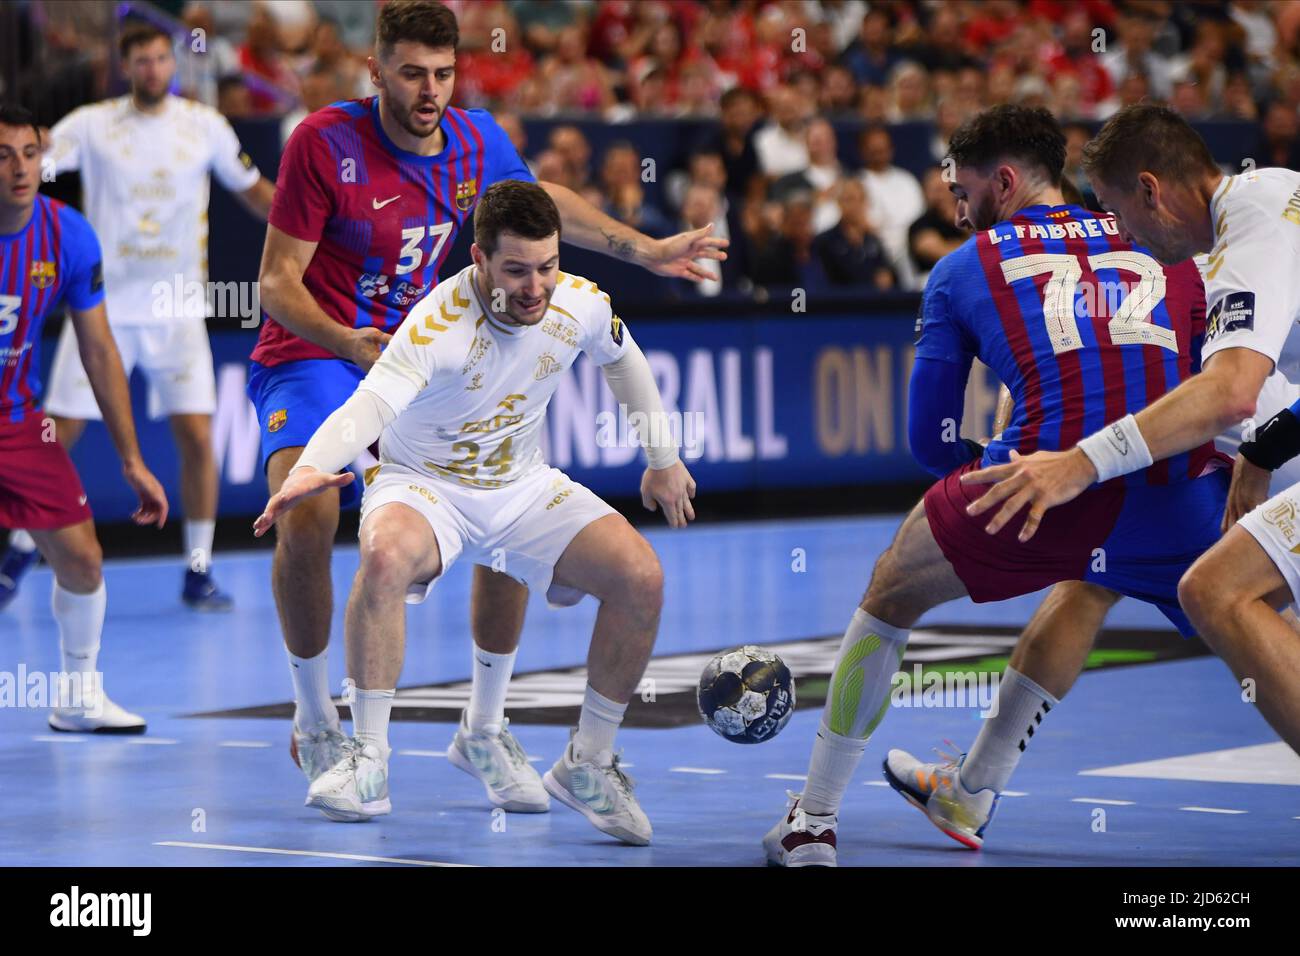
(968, 840)
(600, 822)
(342, 810)
(58, 724)
(461, 762)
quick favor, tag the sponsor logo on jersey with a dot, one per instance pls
(277, 420)
(1292, 211)
(43, 274)
(561, 330)
(1232, 313)
(616, 330)
(423, 492)
(97, 277)
(406, 293)
(547, 364)
(475, 383)
(1282, 516)
(372, 284)
(465, 194)
(245, 160)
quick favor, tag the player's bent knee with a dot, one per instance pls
(1200, 597)
(308, 530)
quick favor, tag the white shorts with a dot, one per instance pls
(520, 529)
(175, 358)
(1276, 526)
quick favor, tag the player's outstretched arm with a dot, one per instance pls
(586, 226)
(1222, 395)
(103, 365)
(672, 489)
(258, 197)
(287, 300)
(303, 482)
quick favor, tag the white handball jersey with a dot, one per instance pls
(1252, 283)
(470, 392)
(145, 181)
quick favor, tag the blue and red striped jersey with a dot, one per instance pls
(384, 219)
(55, 258)
(1082, 327)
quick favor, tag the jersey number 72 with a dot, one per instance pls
(1131, 322)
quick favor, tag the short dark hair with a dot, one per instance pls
(1030, 134)
(513, 205)
(13, 114)
(137, 33)
(419, 21)
(1147, 138)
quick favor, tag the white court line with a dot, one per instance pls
(877, 783)
(422, 753)
(787, 776)
(708, 771)
(329, 856)
(250, 744)
(152, 741)
(1014, 793)
(1211, 810)
(59, 739)
(1109, 803)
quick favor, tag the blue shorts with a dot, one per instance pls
(1161, 530)
(293, 399)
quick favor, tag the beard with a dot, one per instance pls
(148, 97)
(985, 216)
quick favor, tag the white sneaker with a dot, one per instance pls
(601, 794)
(800, 838)
(104, 717)
(501, 764)
(354, 789)
(314, 753)
(937, 791)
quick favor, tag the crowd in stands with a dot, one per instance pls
(774, 79)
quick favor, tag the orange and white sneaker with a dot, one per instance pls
(937, 791)
(800, 838)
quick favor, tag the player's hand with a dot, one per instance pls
(302, 483)
(676, 255)
(671, 488)
(1042, 480)
(153, 500)
(365, 346)
(1249, 488)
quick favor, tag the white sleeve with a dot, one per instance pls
(408, 361)
(230, 164)
(633, 384)
(1251, 297)
(352, 428)
(606, 335)
(67, 137)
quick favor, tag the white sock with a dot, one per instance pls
(487, 696)
(81, 622)
(198, 544)
(1003, 738)
(869, 656)
(597, 726)
(311, 692)
(370, 710)
(20, 540)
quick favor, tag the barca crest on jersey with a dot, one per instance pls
(43, 274)
(277, 420)
(466, 193)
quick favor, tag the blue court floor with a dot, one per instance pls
(1155, 764)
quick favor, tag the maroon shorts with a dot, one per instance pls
(995, 567)
(39, 488)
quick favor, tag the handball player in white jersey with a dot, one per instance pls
(145, 159)
(458, 396)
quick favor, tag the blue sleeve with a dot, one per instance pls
(84, 283)
(941, 332)
(945, 350)
(936, 397)
(503, 160)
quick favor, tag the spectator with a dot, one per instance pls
(1076, 137)
(894, 196)
(839, 91)
(262, 57)
(573, 147)
(1131, 52)
(935, 234)
(1238, 99)
(705, 204)
(577, 82)
(873, 104)
(1279, 139)
(850, 254)
(820, 178)
(1076, 55)
(780, 144)
(234, 101)
(941, 46)
(620, 175)
(514, 128)
(872, 57)
(321, 87)
(909, 94)
(541, 22)
(786, 258)
(550, 166)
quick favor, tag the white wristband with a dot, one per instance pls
(1118, 449)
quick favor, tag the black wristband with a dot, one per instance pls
(1276, 442)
